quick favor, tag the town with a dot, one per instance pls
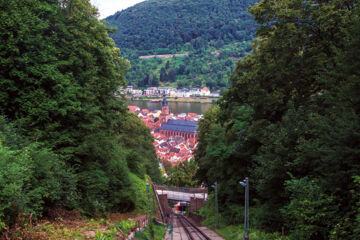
(175, 135)
(168, 91)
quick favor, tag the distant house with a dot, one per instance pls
(173, 92)
(195, 92)
(205, 91)
(164, 91)
(151, 91)
(215, 94)
(183, 93)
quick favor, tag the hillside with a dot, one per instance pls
(214, 34)
(66, 141)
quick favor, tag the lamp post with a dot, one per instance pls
(216, 206)
(245, 184)
(149, 207)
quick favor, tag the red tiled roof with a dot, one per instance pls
(205, 89)
(175, 149)
(133, 108)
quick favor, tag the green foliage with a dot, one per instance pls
(182, 175)
(309, 209)
(221, 34)
(59, 77)
(32, 178)
(141, 157)
(122, 229)
(158, 232)
(164, 24)
(209, 67)
(349, 227)
(230, 226)
(138, 190)
(223, 153)
(299, 139)
(236, 232)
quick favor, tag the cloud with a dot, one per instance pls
(109, 7)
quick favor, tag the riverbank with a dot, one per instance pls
(176, 99)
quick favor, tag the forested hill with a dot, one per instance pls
(156, 24)
(211, 32)
(290, 121)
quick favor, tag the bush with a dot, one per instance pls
(32, 178)
(138, 189)
(309, 210)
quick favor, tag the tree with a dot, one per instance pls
(175, 31)
(59, 77)
(32, 178)
(182, 175)
(137, 138)
(163, 75)
(155, 81)
(146, 80)
(171, 77)
(290, 119)
(181, 69)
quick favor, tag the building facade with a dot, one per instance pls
(170, 127)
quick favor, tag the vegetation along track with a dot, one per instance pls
(192, 232)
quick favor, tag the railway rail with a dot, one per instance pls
(191, 231)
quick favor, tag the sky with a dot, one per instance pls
(109, 7)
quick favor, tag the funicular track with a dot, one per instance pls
(192, 231)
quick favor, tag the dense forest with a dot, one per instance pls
(290, 122)
(214, 34)
(65, 139)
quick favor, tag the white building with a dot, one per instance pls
(132, 91)
(151, 91)
(164, 91)
(215, 94)
(183, 93)
(195, 92)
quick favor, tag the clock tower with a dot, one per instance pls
(165, 112)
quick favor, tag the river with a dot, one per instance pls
(175, 107)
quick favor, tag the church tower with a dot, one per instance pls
(165, 112)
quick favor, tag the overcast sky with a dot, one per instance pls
(109, 7)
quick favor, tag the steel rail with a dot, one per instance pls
(185, 228)
(194, 232)
(197, 230)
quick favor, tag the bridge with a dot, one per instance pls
(182, 194)
(195, 196)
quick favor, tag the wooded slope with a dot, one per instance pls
(214, 34)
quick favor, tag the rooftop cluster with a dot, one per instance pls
(173, 148)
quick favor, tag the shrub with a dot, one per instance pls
(309, 210)
(32, 178)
